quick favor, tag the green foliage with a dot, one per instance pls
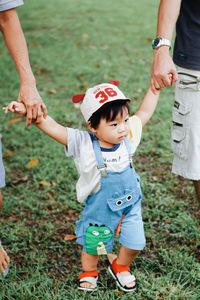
(73, 45)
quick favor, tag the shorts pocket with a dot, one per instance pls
(120, 202)
(188, 81)
(180, 131)
(180, 142)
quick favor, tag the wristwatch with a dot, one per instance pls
(159, 42)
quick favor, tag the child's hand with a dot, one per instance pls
(15, 107)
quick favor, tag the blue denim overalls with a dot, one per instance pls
(119, 194)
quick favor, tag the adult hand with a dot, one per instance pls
(163, 72)
(36, 109)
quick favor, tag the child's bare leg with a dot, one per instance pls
(125, 257)
(89, 263)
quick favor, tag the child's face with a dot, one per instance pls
(113, 132)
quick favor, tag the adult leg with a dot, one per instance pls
(186, 128)
(197, 190)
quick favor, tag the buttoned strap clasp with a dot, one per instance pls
(102, 168)
(130, 153)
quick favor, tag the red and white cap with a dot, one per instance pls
(97, 96)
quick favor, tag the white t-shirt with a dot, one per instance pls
(80, 148)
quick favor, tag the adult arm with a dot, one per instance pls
(163, 72)
(15, 41)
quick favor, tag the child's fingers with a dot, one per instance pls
(10, 107)
(15, 106)
(5, 109)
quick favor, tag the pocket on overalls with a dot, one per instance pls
(180, 117)
(119, 202)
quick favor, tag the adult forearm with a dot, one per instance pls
(163, 71)
(16, 44)
(167, 16)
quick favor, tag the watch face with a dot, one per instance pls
(156, 42)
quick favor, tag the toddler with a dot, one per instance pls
(108, 183)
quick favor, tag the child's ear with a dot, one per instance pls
(90, 128)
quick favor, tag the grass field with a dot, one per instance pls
(73, 45)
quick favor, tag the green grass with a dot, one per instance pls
(73, 45)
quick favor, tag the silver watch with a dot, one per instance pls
(159, 42)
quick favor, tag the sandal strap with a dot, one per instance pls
(88, 274)
(119, 268)
(92, 280)
(124, 280)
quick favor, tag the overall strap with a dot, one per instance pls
(130, 153)
(101, 166)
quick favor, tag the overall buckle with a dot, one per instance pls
(102, 169)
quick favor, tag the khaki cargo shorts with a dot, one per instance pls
(186, 125)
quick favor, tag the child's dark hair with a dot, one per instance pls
(108, 111)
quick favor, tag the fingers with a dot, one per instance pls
(32, 112)
(154, 87)
(35, 113)
(29, 115)
(174, 76)
(158, 82)
(10, 107)
(44, 110)
(40, 115)
(15, 107)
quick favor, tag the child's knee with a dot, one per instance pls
(131, 251)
